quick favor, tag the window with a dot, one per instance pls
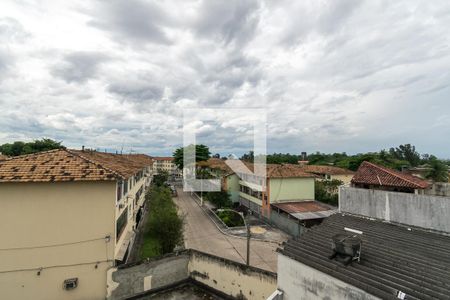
(119, 190)
(121, 223)
(125, 187)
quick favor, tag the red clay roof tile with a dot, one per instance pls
(371, 174)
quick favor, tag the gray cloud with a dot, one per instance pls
(137, 91)
(79, 67)
(334, 76)
(135, 21)
(231, 21)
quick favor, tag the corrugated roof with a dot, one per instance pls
(394, 258)
(329, 170)
(371, 174)
(54, 165)
(306, 210)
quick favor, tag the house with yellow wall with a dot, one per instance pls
(328, 173)
(67, 216)
(282, 183)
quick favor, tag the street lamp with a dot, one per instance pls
(246, 226)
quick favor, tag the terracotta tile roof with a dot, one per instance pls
(277, 170)
(371, 174)
(329, 170)
(169, 158)
(215, 163)
(54, 165)
(286, 170)
(121, 164)
(3, 157)
(142, 159)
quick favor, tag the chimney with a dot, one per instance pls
(82, 148)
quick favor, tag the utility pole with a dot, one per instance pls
(248, 244)
(248, 230)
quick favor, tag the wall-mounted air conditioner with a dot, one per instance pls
(70, 284)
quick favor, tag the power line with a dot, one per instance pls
(57, 266)
(106, 238)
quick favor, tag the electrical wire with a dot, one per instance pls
(57, 266)
(106, 238)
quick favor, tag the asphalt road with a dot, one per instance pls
(200, 233)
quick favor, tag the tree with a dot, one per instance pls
(250, 156)
(406, 152)
(164, 225)
(439, 170)
(219, 199)
(161, 178)
(280, 158)
(326, 191)
(20, 148)
(201, 154)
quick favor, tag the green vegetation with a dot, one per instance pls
(327, 191)
(20, 148)
(164, 228)
(396, 158)
(439, 170)
(219, 199)
(230, 218)
(161, 178)
(201, 154)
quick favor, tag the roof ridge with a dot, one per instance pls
(94, 162)
(395, 173)
(35, 153)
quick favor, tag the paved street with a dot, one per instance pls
(200, 233)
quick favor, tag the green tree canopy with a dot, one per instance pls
(439, 170)
(164, 226)
(219, 199)
(201, 154)
(20, 148)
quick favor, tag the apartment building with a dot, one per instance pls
(67, 216)
(283, 183)
(165, 164)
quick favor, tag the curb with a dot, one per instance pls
(229, 234)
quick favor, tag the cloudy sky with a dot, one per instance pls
(332, 76)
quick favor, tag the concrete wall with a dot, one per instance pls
(301, 282)
(233, 187)
(439, 189)
(288, 189)
(286, 224)
(228, 277)
(232, 278)
(48, 214)
(429, 212)
(130, 280)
